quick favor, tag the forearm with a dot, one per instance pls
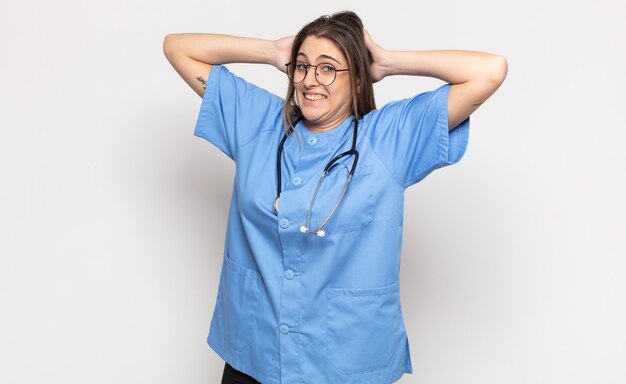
(220, 49)
(452, 66)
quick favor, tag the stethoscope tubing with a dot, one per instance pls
(353, 151)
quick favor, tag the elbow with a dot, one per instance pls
(498, 70)
(168, 44)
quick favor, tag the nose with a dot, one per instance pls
(309, 79)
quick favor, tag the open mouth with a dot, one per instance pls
(314, 97)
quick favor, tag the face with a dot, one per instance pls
(324, 107)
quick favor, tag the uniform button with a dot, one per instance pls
(284, 329)
(311, 141)
(296, 181)
(289, 274)
(284, 223)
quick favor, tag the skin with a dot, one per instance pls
(334, 106)
(473, 76)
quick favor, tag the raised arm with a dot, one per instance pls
(192, 54)
(474, 76)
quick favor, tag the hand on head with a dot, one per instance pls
(377, 53)
(283, 52)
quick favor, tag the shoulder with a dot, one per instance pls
(409, 109)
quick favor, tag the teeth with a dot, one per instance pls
(314, 97)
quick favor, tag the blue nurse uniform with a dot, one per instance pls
(293, 307)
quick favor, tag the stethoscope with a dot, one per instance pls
(306, 228)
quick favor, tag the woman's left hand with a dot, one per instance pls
(283, 52)
(378, 54)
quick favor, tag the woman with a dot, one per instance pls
(309, 288)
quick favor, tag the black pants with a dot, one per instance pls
(233, 376)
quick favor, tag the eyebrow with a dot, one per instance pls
(320, 56)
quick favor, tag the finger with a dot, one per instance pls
(368, 40)
(366, 34)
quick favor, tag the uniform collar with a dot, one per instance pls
(328, 138)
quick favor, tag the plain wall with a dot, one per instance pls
(112, 214)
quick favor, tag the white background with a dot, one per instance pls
(112, 214)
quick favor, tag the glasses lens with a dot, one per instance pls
(325, 74)
(296, 71)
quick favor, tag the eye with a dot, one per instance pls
(327, 68)
(301, 66)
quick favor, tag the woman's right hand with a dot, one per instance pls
(192, 54)
(283, 52)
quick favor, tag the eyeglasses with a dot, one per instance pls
(325, 73)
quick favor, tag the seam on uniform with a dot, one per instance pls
(383, 162)
(208, 106)
(300, 304)
(444, 131)
(255, 138)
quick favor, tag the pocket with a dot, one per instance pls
(363, 327)
(239, 296)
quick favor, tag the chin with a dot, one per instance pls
(310, 115)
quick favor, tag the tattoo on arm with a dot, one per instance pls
(202, 81)
(477, 105)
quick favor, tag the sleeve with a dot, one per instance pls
(233, 112)
(411, 136)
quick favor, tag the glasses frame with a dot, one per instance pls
(306, 72)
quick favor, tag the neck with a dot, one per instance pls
(318, 128)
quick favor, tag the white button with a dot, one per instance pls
(284, 223)
(289, 274)
(311, 140)
(284, 329)
(296, 181)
